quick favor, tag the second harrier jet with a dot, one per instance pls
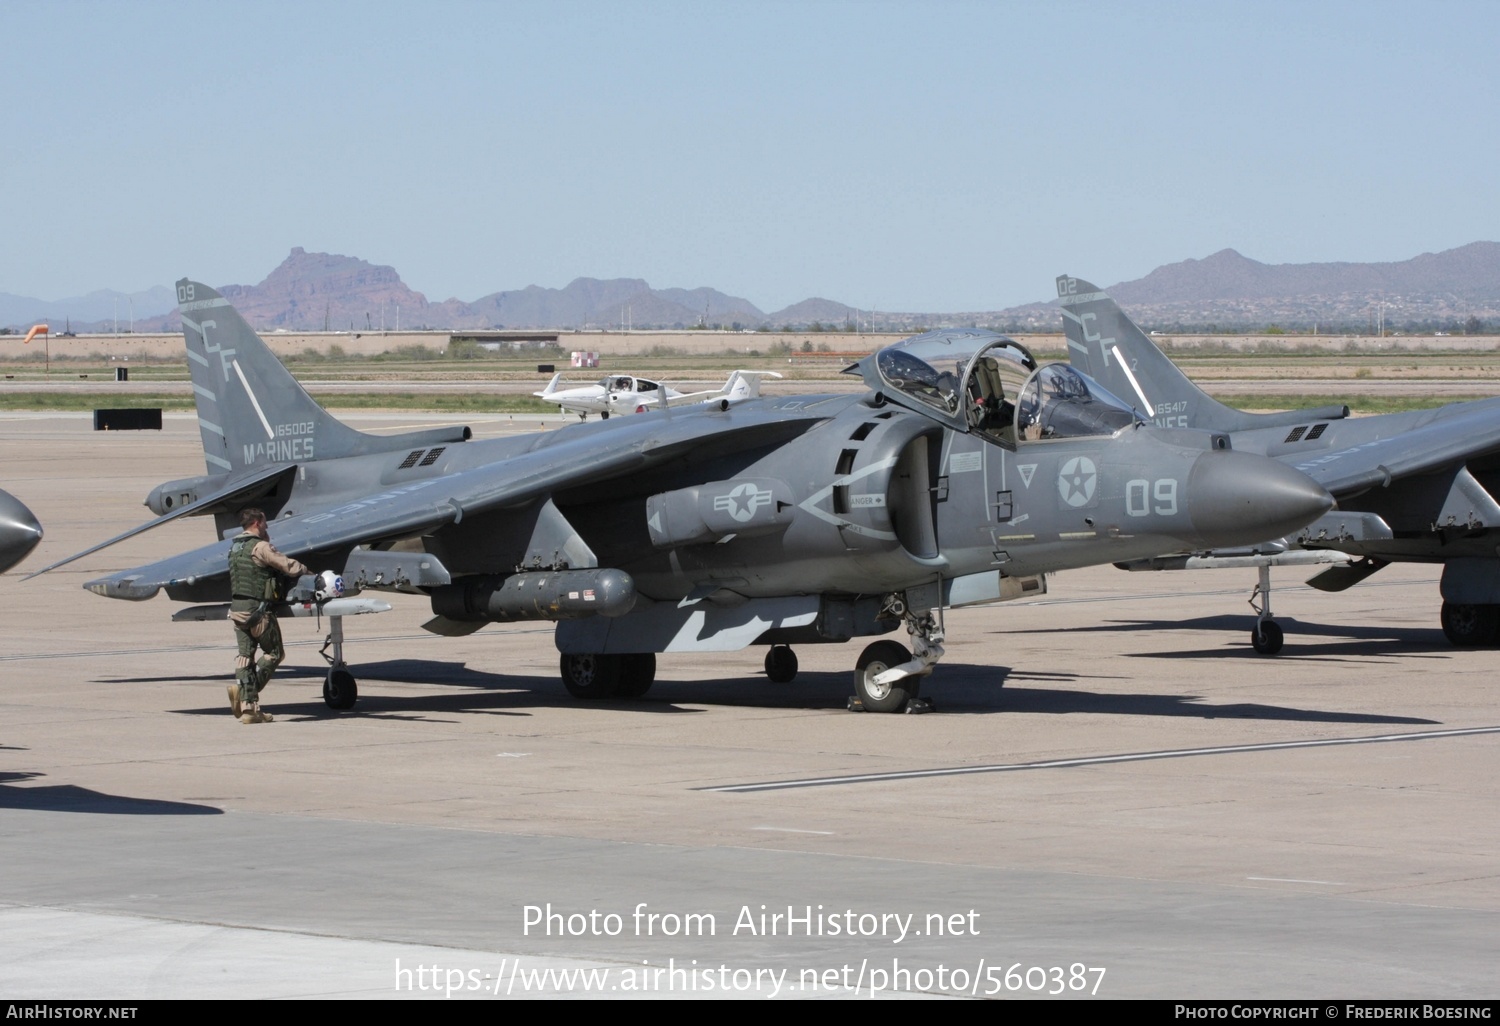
(1411, 487)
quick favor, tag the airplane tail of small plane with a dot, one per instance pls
(1109, 347)
(551, 386)
(745, 384)
(251, 412)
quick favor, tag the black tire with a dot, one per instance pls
(1468, 626)
(1267, 637)
(339, 690)
(876, 659)
(603, 414)
(591, 676)
(781, 664)
(637, 673)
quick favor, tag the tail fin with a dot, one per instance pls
(1107, 346)
(251, 411)
(745, 384)
(551, 386)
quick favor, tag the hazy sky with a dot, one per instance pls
(901, 156)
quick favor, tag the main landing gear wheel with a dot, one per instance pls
(339, 689)
(781, 664)
(1468, 626)
(637, 673)
(874, 660)
(593, 676)
(1266, 638)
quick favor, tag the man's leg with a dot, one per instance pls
(242, 692)
(273, 652)
(269, 641)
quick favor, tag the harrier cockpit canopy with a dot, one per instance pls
(989, 384)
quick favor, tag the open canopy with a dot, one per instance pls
(987, 383)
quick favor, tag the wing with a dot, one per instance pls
(230, 495)
(580, 400)
(689, 398)
(1448, 436)
(426, 505)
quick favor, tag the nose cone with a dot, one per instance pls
(1237, 498)
(19, 531)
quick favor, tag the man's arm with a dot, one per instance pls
(265, 554)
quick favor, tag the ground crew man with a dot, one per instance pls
(255, 573)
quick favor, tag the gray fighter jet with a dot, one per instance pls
(1415, 487)
(962, 475)
(19, 531)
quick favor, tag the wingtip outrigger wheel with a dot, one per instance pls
(1266, 637)
(340, 691)
(781, 664)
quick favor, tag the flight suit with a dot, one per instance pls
(254, 569)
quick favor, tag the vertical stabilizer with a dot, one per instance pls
(251, 412)
(745, 384)
(1109, 347)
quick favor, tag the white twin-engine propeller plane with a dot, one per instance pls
(626, 393)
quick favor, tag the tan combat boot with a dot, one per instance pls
(235, 705)
(255, 715)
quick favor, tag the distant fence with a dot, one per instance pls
(796, 356)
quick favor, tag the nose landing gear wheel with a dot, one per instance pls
(875, 660)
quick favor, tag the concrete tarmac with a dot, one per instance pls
(1116, 796)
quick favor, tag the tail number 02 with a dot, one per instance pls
(1143, 497)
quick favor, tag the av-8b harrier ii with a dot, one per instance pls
(1411, 487)
(961, 476)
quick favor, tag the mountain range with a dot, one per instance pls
(1225, 291)
(314, 291)
(1438, 289)
(97, 308)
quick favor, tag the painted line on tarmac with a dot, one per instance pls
(1097, 760)
(1289, 879)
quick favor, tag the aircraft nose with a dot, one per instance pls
(19, 531)
(1238, 498)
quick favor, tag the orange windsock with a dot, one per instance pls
(40, 329)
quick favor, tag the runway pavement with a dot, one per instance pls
(1114, 786)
